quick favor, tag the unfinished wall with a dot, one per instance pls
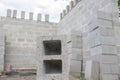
(79, 19)
(117, 36)
(2, 49)
(21, 35)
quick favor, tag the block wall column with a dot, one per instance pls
(2, 50)
(103, 42)
(103, 46)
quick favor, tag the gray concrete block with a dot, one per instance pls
(109, 69)
(47, 18)
(9, 13)
(75, 66)
(30, 16)
(14, 13)
(113, 59)
(92, 70)
(109, 77)
(23, 15)
(39, 17)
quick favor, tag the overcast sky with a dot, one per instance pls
(52, 7)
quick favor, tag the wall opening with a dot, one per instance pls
(52, 47)
(53, 66)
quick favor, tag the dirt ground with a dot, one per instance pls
(32, 77)
(24, 76)
(19, 75)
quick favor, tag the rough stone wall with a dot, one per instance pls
(21, 35)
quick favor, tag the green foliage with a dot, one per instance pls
(82, 77)
(2, 72)
(119, 2)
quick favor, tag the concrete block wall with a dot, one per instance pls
(117, 36)
(104, 46)
(2, 49)
(82, 18)
(78, 19)
(21, 36)
(92, 70)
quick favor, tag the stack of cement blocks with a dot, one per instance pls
(52, 58)
(76, 53)
(2, 49)
(103, 44)
(92, 70)
(109, 58)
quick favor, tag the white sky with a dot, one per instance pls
(52, 7)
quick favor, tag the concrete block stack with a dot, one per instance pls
(103, 42)
(52, 58)
(76, 54)
(92, 70)
(103, 47)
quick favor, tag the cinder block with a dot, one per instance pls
(116, 24)
(108, 40)
(109, 77)
(39, 17)
(113, 59)
(92, 70)
(52, 50)
(105, 23)
(106, 31)
(30, 16)
(106, 49)
(2, 50)
(23, 15)
(8, 13)
(103, 49)
(47, 18)
(76, 56)
(71, 4)
(109, 69)
(104, 15)
(14, 13)
(96, 51)
(68, 8)
(75, 66)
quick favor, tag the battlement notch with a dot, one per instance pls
(46, 18)
(9, 13)
(23, 15)
(14, 13)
